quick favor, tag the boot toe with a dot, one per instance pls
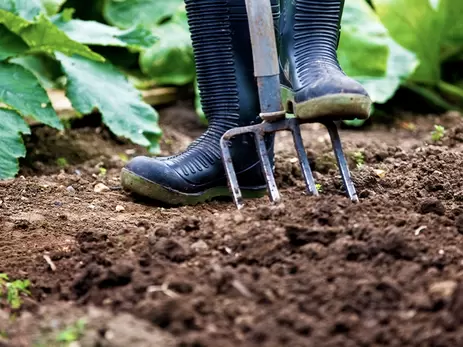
(332, 84)
(142, 173)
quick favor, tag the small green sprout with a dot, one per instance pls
(123, 157)
(102, 171)
(319, 187)
(438, 133)
(62, 162)
(72, 333)
(359, 159)
(13, 290)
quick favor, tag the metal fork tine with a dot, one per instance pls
(302, 155)
(341, 159)
(231, 174)
(267, 168)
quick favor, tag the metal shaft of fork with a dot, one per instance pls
(267, 73)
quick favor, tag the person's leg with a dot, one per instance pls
(222, 49)
(314, 84)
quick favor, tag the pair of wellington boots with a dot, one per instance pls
(313, 86)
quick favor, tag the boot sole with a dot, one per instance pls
(332, 107)
(143, 187)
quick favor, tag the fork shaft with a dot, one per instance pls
(265, 55)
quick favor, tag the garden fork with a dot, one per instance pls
(266, 71)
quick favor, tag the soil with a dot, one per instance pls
(313, 271)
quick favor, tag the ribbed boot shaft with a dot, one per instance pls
(211, 34)
(316, 33)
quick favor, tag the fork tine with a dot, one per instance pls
(267, 168)
(231, 174)
(302, 155)
(341, 159)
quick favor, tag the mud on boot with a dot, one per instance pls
(222, 48)
(313, 84)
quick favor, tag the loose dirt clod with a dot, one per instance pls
(432, 206)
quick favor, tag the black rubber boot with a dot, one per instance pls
(313, 84)
(222, 48)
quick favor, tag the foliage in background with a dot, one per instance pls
(39, 49)
(102, 51)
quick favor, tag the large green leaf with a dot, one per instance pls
(94, 33)
(368, 53)
(93, 85)
(11, 144)
(170, 60)
(8, 5)
(453, 44)
(43, 36)
(43, 67)
(27, 9)
(417, 25)
(11, 45)
(21, 90)
(149, 13)
(52, 7)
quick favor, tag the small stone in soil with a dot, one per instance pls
(432, 206)
(443, 290)
(120, 208)
(100, 188)
(199, 246)
(71, 189)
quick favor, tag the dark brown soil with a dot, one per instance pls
(309, 272)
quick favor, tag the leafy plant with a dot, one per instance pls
(359, 159)
(438, 133)
(13, 291)
(433, 31)
(33, 38)
(72, 333)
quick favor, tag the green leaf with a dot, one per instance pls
(8, 5)
(417, 26)
(21, 90)
(170, 60)
(149, 13)
(44, 68)
(11, 145)
(11, 45)
(453, 45)
(401, 65)
(93, 85)
(27, 9)
(368, 54)
(43, 36)
(198, 105)
(94, 33)
(52, 7)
